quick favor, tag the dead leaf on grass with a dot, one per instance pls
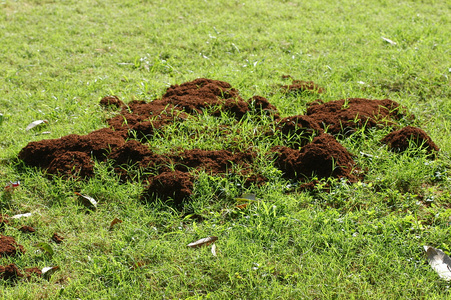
(114, 222)
(36, 124)
(389, 41)
(26, 215)
(203, 242)
(87, 201)
(48, 271)
(439, 261)
(213, 249)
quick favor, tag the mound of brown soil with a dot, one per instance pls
(261, 106)
(175, 185)
(71, 154)
(111, 101)
(324, 157)
(10, 272)
(343, 116)
(32, 271)
(304, 127)
(27, 229)
(137, 155)
(219, 161)
(124, 142)
(401, 140)
(9, 246)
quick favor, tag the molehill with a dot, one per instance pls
(315, 152)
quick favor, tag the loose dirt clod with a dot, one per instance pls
(111, 101)
(175, 185)
(323, 157)
(57, 238)
(401, 140)
(29, 272)
(9, 246)
(71, 154)
(10, 272)
(345, 115)
(27, 229)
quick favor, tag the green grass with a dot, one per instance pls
(363, 240)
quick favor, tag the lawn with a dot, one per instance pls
(359, 236)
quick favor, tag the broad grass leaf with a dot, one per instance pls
(439, 261)
(203, 242)
(46, 248)
(87, 201)
(247, 198)
(36, 124)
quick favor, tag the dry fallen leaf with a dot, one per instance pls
(203, 242)
(439, 261)
(21, 216)
(35, 124)
(213, 249)
(114, 222)
(389, 41)
(87, 201)
(242, 206)
(48, 271)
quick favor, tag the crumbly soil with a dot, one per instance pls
(27, 229)
(57, 238)
(323, 157)
(9, 246)
(10, 272)
(401, 140)
(345, 115)
(124, 143)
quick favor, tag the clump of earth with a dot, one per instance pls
(315, 151)
(9, 246)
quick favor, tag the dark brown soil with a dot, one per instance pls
(10, 272)
(323, 157)
(9, 246)
(71, 154)
(344, 116)
(176, 185)
(170, 176)
(111, 101)
(57, 238)
(29, 272)
(27, 229)
(214, 162)
(401, 140)
(261, 106)
(304, 127)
